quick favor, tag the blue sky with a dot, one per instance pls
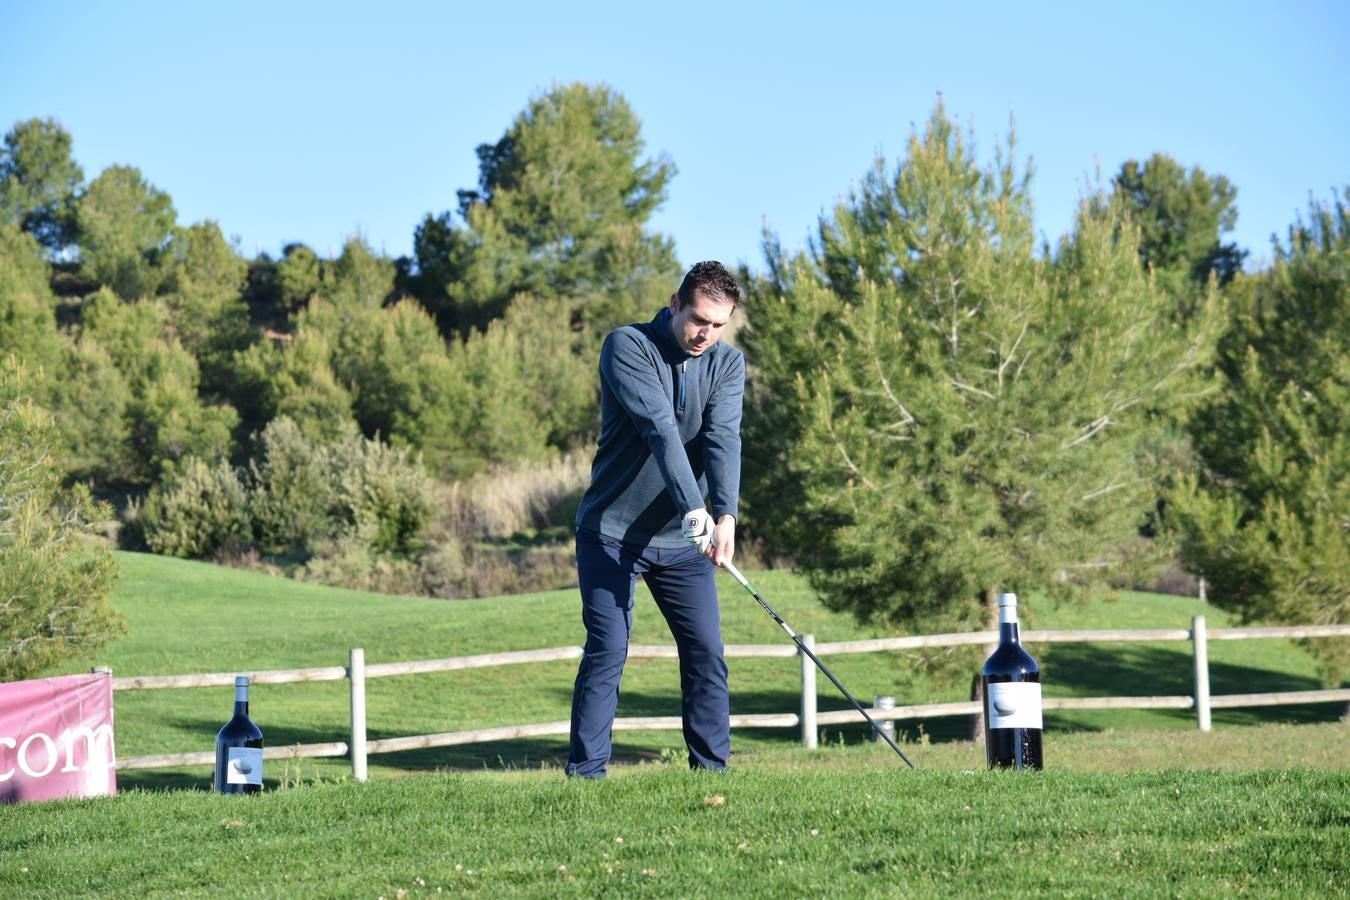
(307, 121)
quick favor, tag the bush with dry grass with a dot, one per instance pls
(510, 500)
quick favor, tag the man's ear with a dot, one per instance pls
(674, 303)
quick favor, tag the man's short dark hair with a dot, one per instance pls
(711, 279)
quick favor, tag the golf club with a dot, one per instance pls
(735, 573)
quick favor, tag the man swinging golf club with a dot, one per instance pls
(670, 419)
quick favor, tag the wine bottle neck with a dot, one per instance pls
(241, 707)
(1007, 618)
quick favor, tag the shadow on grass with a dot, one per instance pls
(1116, 670)
(197, 779)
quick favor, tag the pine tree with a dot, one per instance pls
(292, 376)
(298, 277)
(165, 418)
(27, 307)
(1267, 519)
(404, 384)
(1180, 219)
(202, 289)
(560, 212)
(504, 425)
(124, 225)
(55, 579)
(39, 181)
(939, 412)
(75, 381)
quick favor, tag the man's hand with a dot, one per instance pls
(724, 541)
(698, 529)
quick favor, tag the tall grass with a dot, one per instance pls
(510, 500)
(506, 531)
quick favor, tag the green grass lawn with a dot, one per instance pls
(1136, 803)
(185, 617)
(866, 829)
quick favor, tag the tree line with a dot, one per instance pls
(939, 405)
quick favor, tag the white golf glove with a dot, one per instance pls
(698, 528)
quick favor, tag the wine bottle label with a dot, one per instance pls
(1014, 704)
(245, 766)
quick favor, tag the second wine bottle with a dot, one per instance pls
(239, 748)
(1011, 686)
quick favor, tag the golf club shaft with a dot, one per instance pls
(735, 573)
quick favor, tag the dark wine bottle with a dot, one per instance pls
(1011, 686)
(239, 748)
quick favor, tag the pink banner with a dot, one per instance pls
(56, 738)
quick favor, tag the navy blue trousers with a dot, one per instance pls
(682, 583)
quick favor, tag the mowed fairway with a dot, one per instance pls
(876, 831)
(1137, 804)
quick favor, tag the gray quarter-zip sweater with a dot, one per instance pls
(670, 432)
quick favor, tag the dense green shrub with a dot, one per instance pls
(503, 425)
(492, 398)
(197, 512)
(359, 277)
(295, 499)
(383, 494)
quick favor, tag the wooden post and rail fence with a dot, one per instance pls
(357, 747)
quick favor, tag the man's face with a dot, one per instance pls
(699, 325)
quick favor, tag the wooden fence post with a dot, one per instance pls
(356, 673)
(887, 725)
(808, 693)
(1200, 642)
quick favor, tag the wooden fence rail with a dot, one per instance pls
(808, 719)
